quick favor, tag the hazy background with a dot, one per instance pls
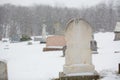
(27, 17)
(62, 3)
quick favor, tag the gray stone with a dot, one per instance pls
(44, 35)
(3, 71)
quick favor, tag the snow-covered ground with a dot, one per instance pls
(29, 62)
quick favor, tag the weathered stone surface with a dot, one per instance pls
(55, 41)
(3, 71)
(78, 58)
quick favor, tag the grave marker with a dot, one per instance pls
(44, 35)
(3, 71)
(117, 31)
(78, 54)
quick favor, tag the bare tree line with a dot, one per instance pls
(18, 20)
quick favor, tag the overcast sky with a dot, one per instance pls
(67, 3)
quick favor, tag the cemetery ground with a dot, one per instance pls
(29, 62)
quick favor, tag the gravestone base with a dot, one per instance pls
(117, 36)
(78, 68)
(94, 52)
(42, 42)
(94, 76)
(52, 49)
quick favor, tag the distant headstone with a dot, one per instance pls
(0, 37)
(44, 35)
(55, 43)
(30, 43)
(117, 31)
(37, 38)
(78, 55)
(64, 49)
(119, 68)
(93, 45)
(3, 71)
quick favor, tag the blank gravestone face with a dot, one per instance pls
(3, 71)
(78, 53)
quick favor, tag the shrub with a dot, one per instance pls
(25, 38)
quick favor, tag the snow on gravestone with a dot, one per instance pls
(78, 58)
(3, 71)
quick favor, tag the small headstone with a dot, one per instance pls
(64, 49)
(119, 68)
(29, 43)
(37, 38)
(93, 46)
(0, 37)
(55, 43)
(3, 71)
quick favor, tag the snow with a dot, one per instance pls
(78, 74)
(29, 62)
(54, 46)
(106, 57)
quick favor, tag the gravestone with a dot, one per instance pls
(55, 43)
(3, 71)
(117, 31)
(43, 34)
(119, 68)
(78, 55)
(37, 38)
(93, 45)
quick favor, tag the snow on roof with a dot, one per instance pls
(117, 27)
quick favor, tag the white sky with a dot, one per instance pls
(68, 3)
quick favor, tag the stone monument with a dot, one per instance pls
(78, 58)
(44, 35)
(3, 71)
(117, 31)
(78, 53)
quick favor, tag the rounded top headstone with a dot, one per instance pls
(70, 22)
(78, 30)
(78, 57)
